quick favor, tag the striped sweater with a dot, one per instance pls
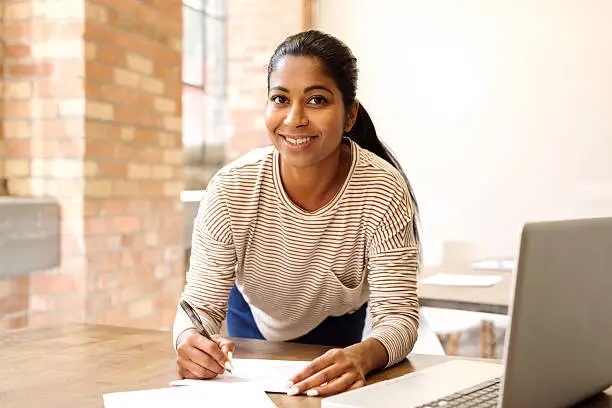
(295, 268)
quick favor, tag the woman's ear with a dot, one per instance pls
(351, 116)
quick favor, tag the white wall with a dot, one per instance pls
(500, 111)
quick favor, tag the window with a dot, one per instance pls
(204, 83)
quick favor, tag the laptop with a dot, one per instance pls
(558, 346)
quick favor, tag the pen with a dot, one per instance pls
(197, 322)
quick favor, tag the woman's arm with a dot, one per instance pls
(212, 265)
(393, 265)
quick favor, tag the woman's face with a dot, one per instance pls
(305, 114)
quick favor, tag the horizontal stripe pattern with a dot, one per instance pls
(296, 268)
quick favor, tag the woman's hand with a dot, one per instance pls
(341, 369)
(199, 358)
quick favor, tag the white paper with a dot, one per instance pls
(495, 264)
(451, 279)
(269, 375)
(215, 395)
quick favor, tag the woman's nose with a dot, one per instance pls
(296, 117)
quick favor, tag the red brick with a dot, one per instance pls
(90, 208)
(113, 207)
(151, 154)
(95, 244)
(98, 71)
(111, 55)
(30, 69)
(18, 30)
(17, 50)
(100, 33)
(114, 93)
(127, 223)
(112, 170)
(151, 188)
(126, 152)
(105, 262)
(94, 226)
(54, 284)
(170, 237)
(18, 148)
(21, 284)
(64, 128)
(14, 303)
(18, 322)
(99, 149)
(139, 207)
(17, 109)
(167, 72)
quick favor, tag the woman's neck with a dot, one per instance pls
(313, 187)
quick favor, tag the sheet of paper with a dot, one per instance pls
(270, 375)
(450, 279)
(214, 395)
(495, 264)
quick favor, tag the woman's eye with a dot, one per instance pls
(317, 100)
(279, 99)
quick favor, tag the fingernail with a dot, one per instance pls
(289, 384)
(312, 393)
(229, 360)
(293, 391)
(228, 366)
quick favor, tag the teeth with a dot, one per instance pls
(298, 141)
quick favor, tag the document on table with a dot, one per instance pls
(452, 279)
(214, 395)
(269, 375)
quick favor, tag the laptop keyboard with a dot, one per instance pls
(483, 395)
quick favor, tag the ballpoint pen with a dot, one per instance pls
(197, 322)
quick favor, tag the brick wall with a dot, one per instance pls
(42, 148)
(14, 302)
(2, 52)
(92, 106)
(254, 31)
(133, 161)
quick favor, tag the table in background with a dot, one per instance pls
(492, 299)
(73, 365)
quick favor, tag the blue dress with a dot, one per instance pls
(341, 331)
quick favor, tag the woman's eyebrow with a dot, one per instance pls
(279, 88)
(306, 90)
(316, 87)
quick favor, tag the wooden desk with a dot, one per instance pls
(73, 365)
(493, 299)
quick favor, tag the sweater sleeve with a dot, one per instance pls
(393, 267)
(213, 260)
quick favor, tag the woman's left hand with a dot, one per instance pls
(341, 369)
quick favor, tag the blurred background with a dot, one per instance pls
(114, 114)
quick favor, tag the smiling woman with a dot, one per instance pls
(292, 242)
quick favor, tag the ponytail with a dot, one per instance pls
(364, 134)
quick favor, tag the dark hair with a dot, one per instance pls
(341, 65)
